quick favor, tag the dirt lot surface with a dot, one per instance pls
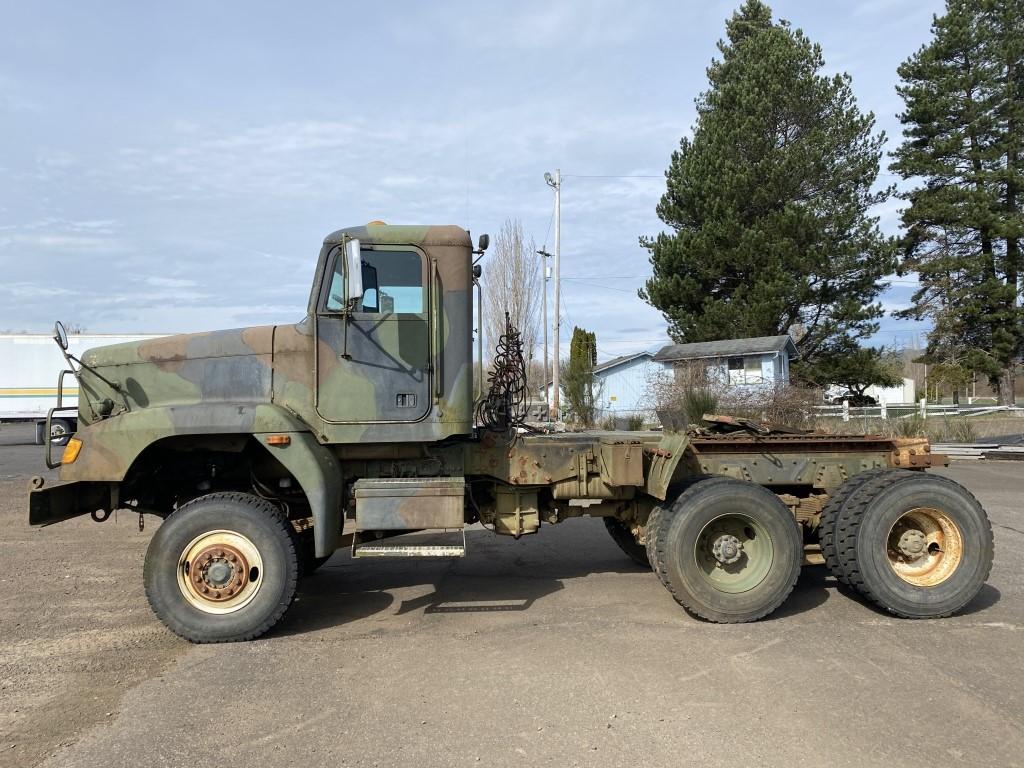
(552, 650)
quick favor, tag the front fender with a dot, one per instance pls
(111, 446)
(319, 473)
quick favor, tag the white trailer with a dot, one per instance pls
(30, 364)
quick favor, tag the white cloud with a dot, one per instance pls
(69, 243)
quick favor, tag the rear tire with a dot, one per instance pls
(60, 431)
(654, 524)
(221, 568)
(919, 546)
(623, 536)
(729, 551)
(833, 511)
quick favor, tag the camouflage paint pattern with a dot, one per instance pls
(312, 379)
(283, 379)
(409, 504)
(335, 385)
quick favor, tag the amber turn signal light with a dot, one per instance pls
(71, 451)
(281, 440)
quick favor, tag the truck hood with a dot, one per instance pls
(184, 346)
(219, 366)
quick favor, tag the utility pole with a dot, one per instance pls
(556, 184)
(544, 284)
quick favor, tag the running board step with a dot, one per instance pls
(409, 550)
(383, 548)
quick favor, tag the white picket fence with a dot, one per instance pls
(904, 410)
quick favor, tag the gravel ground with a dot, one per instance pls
(552, 650)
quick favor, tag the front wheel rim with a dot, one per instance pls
(220, 572)
(734, 553)
(924, 547)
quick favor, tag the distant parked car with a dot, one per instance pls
(856, 401)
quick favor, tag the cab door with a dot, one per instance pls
(373, 357)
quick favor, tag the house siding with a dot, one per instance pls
(626, 388)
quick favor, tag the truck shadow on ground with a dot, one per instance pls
(497, 576)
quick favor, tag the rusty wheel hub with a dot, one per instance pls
(924, 547)
(220, 571)
(912, 544)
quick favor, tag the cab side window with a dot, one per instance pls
(392, 283)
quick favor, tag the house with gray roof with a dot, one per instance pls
(622, 384)
(758, 362)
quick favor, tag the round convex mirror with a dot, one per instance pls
(60, 335)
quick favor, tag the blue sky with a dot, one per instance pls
(174, 167)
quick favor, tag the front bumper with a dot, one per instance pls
(63, 501)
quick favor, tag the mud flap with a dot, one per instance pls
(662, 463)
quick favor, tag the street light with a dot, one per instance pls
(544, 284)
(555, 182)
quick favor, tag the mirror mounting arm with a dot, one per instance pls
(353, 288)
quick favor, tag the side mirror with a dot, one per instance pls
(483, 242)
(354, 268)
(60, 335)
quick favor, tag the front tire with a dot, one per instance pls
(729, 551)
(221, 568)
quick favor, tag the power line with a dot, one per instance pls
(551, 219)
(608, 277)
(610, 176)
(606, 287)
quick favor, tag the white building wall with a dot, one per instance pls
(31, 363)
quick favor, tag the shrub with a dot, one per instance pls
(697, 402)
(908, 426)
(782, 404)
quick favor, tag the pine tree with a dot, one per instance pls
(768, 203)
(579, 384)
(964, 97)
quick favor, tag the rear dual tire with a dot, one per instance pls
(836, 509)
(919, 546)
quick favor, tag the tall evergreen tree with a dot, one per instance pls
(768, 203)
(964, 97)
(579, 385)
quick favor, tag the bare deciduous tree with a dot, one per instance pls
(513, 283)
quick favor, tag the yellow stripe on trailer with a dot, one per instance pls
(35, 391)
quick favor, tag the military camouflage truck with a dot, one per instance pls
(263, 450)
